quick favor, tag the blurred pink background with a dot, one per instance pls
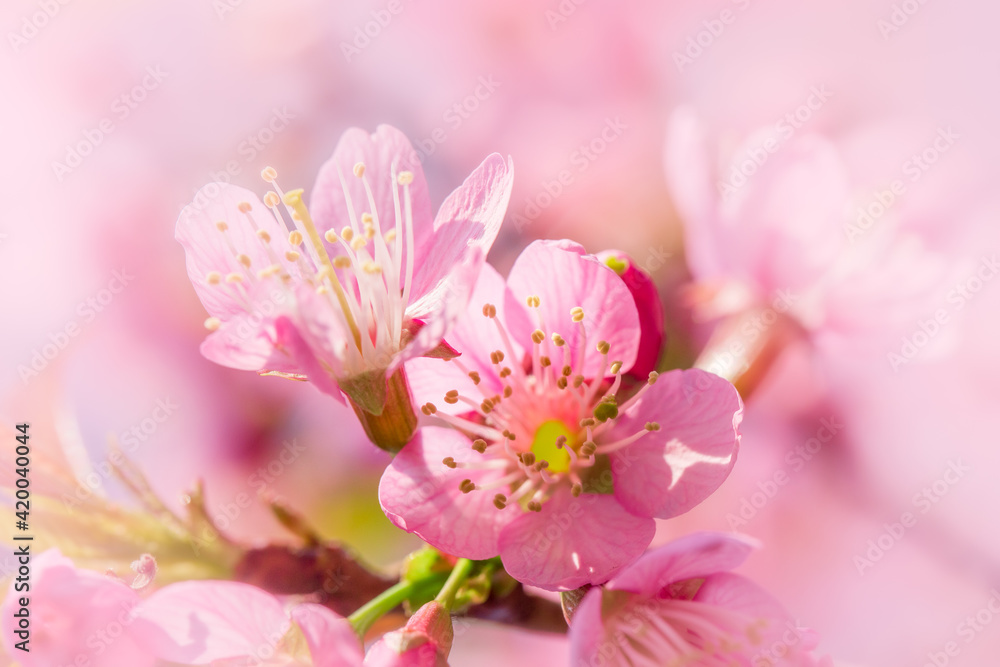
(116, 112)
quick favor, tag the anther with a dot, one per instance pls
(341, 262)
(213, 323)
(652, 377)
(588, 448)
(509, 435)
(527, 459)
(534, 506)
(367, 219)
(358, 242)
(213, 278)
(295, 237)
(652, 426)
(390, 235)
(243, 259)
(451, 398)
(545, 361)
(221, 225)
(292, 256)
(467, 486)
(404, 177)
(576, 490)
(450, 462)
(567, 370)
(577, 314)
(479, 445)
(269, 271)
(359, 169)
(347, 234)
(505, 371)
(263, 235)
(603, 347)
(271, 199)
(587, 421)
(474, 376)
(428, 409)
(562, 383)
(330, 236)
(244, 207)
(560, 442)
(372, 267)
(616, 367)
(489, 310)
(537, 336)
(577, 381)
(269, 174)
(558, 340)
(500, 501)
(496, 356)
(234, 278)
(508, 391)
(533, 302)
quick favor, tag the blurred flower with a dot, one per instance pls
(76, 617)
(679, 604)
(563, 478)
(378, 281)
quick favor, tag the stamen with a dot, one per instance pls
(624, 442)
(467, 486)
(500, 501)
(244, 207)
(269, 174)
(263, 235)
(479, 445)
(359, 169)
(243, 259)
(292, 256)
(213, 278)
(271, 199)
(213, 323)
(221, 226)
(234, 278)
(295, 238)
(330, 236)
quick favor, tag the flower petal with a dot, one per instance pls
(689, 557)
(470, 217)
(667, 472)
(573, 542)
(209, 249)
(563, 277)
(381, 152)
(421, 495)
(331, 640)
(199, 622)
(474, 336)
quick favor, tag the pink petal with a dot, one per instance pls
(573, 541)
(207, 249)
(650, 309)
(332, 642)
(442, 306)
(667, 472)
(564, 277)
(470, 217)
(421, 495)
(290, 339)
(474, 336)
(380, 152)
(198, 622)
(587, 631)
(689, 557)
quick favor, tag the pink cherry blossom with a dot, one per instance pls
(345, 290)
(680, 604)
(204, 622)
(545, 463)
(76, 617)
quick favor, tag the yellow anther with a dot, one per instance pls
(213, 323)
(652, 377)
(533, 302)
(292, 256)
(367, 219)
(244, 207)
(271, 199)
(269, 174)
(347, 234)
(603, 347)
(234, 278)
(272, 270)
(221, 225)
(213, 278)
(404, 177)
(341, 262)
(359, 169)
(359, 242)
(295, 238)
(330, 236)
(616, 367)
(263, 235)
(537, 336)
(390, 235)
(577, 314)
(558, 340)
(243, 259)
(372, 267)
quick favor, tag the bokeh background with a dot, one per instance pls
(114, 113)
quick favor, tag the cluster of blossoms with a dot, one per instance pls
(530, 431)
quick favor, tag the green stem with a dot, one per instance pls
(461, 571)
(376, 608)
